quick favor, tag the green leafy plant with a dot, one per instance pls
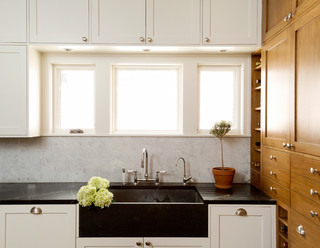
(220, 129)
(95, 193)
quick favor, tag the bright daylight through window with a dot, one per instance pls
(146, 99)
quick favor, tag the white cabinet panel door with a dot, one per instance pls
(173, 22)
(230, 22)
(54, 227)
(59, 21)
(13, 91)
(109, 242)
(13, 21)
(256, 229)
(177, 242)
(118, 21)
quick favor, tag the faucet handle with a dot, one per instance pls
(135, 175)
(186, 180)
(158, 177)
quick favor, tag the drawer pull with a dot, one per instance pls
(138, 243)
(284, 145)
(148, 243)
(313, 192)
(241, 212)
(36, 210)
(313, 170)
(313, 213)
(300, 230)
(272, 188)
(272, 173)
(272, 157)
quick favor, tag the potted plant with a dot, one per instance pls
(223, 176)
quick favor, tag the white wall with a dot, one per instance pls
(76, 159)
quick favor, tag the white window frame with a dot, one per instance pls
(113, 118)
(56, 98)
(237, 94)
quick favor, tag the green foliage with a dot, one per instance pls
(220, 129)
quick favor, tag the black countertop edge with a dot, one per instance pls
(66, 193)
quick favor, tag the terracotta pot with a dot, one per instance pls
(223, 178)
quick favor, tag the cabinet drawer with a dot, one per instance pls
(311, 237)
(305, 186)
(279, 159)
(306, 167)
(278, 192)
(276, 174)
(304, 206)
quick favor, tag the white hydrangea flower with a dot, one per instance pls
(103, 198)
(86, 195)
(99, 183)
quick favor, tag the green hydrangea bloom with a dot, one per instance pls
(103, 198)
(99, 183)
(86, 195)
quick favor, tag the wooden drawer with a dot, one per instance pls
(302, 166)
(304, 206)
(278, 192)
(279, 159)
(303, 186)
(276, 174)
(311, 238)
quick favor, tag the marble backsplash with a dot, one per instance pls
(76, 159)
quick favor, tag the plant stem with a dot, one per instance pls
(222, 154)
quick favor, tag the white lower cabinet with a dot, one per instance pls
(143, 242)
(242, 226)
(37, 226)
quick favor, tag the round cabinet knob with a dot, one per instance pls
(290, 146)
(300, 230)
(272, 173)
(139, 244)
(84, 39)
(313, 213)
(313, 170)
(285, 18)
(241, 212)
(141, 39)
(36, 210)
(313, 192)
(284, 145)
(148, 243)
(272, 188)
(149, 39)
(272, 157)
(207, 39)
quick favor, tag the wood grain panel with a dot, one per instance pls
(275, 12)
(302, 165)
(303, 185)
(282, 159)
(311, 237)
(279, 175)
(281, 193)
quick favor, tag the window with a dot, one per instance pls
(219, 96)
(74, 98)
(146, 99)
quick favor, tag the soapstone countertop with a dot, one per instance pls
(66, 193)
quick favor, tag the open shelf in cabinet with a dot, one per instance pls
(282, 226)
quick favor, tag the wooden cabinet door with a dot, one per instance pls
(59, 21)
(13, 21)
(256, 228)
(275, 76)
(118, 21)
(173, 22)
(230, 22)
(305, 135)
(13, 91)
(54, 227)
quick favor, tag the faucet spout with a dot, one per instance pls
(185, 178)
(144, 162)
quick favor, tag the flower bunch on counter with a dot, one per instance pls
(95, 192)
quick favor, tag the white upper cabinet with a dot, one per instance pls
(13, 21)
(59, 21)
(231, 22)
(173, 22)
(118, 21)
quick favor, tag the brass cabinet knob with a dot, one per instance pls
(141, 39)
(36, 210)
(241, 212)
(84, 39)
(149, 39)
(207, 39)
(148, 243)
(138, 243)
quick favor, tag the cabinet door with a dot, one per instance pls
(13, 91)
(109, 242)
(54, 227)
(13, 21)
(230, 22)
(305, 135)
(64, 21)
(177, 242)
(173, 22)
(256, 228)
(275, 76)
(118, 21)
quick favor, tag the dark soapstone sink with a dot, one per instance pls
(147, 211)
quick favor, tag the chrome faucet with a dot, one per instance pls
(144, 163)
(185, 179)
